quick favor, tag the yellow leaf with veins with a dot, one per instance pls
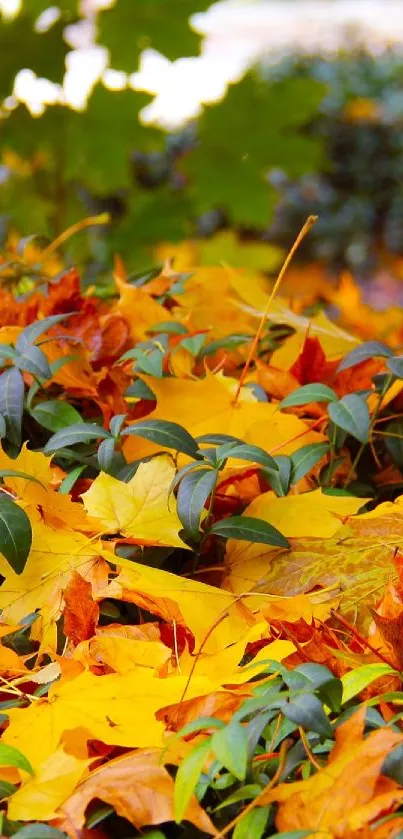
(206, 406)
(40, 796)
(203, 609)
(51, 561)
(141, 508)
(139, 308)
(41, 500)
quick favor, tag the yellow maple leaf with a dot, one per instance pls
(312, 514)
(53, 557)
(41, 500)
(140, 508)
(139, 308)
(206, 406)
(197, 606)
(40, 796)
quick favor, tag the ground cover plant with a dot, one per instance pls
(201, 521)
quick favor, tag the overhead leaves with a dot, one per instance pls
(127, 31)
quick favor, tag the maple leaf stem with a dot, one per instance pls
(311, 220)
(309, 752)
(103, 218)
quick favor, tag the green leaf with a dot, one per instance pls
(370, 349)
(81, 432)
(395, 365)
(307, 711)
(106, 453)
(230, 746)
(21, 46)
(12, 402)
(315, 392)
(252, 825)
(219, 439)
(280, 480)
(262, 130)
(70, 479)
(352, 415)
(394, 442)
(188, 776)
(327, 686)
(249, 529)
(247, 451)
(15, 534)
(193, 344)
(245, 793)
(128, 28)
(230, 342)
(9, 756)
(194, 490)
(33, 360)
(116, 424)
(39, 831)
(55, 415)
(303, 460)
(14, 473)
(164, 433)
(6, 789)
(3, 427)
(358, 679)
(29, 335)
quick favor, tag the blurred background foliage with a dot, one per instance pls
(301, 135)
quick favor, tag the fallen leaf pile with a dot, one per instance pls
(199, 549)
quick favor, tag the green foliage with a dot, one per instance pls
(253, 129)
(85, 162)
(128, 28)
(21, 46)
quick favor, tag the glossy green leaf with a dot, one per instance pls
(188, 776)
(15, 534)
(370, 349)
(39, 831)
(352, 415)
(305, 458)
(30, 334)
(33, 360)
(194, 490)
(105, 454)
(81, 432)
(279, 480)
(230, 746)
(164, 433)
(247, 451)
(12, 402)
(249, 529)
(314, 392)
(9, 756)
(253, 824)
(307, 711)
(393, 438)
(395, 365)
(70, 479)
(55, 415)
(358, 679)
